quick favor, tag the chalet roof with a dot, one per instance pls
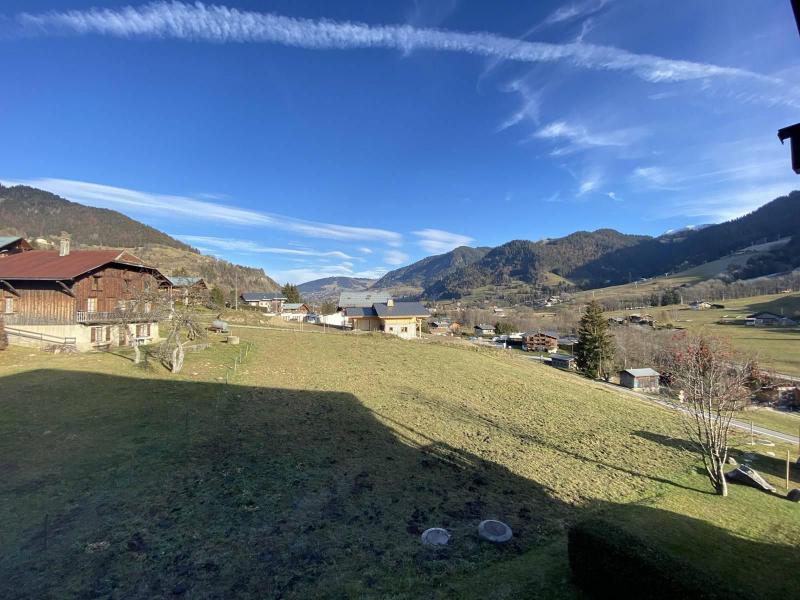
(48, 265)
(362, 299)
(181, 281)
(550, 334)
(484, 327)
(7, 240)
(293, 305)
(400, 309)
(648, 372)
(261, 296)
(360, 311)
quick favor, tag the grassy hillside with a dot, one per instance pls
(425, 272)
(314, 473)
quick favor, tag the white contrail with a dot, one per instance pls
(200, 22)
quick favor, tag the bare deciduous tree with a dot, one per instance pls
(712, 384)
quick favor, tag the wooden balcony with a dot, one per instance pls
(86, 317)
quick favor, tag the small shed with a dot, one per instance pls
(640, 379)
(563, 361)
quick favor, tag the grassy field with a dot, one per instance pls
(315, 471)
(777, 348)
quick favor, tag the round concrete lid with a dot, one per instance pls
(435, 536)
(494, 531)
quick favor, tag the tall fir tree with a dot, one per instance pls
(291, 293)
(594, 349)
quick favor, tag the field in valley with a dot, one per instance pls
(313, 473)
(777, 348)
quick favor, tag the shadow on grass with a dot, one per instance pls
(141, 488)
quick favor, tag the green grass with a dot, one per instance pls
(777, 348)
(774, 420)
(315, 472)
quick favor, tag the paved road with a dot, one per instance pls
(760, 431)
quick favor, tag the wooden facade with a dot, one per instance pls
(540, 342)
(96, 296)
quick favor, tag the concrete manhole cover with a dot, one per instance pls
(494, 531)
(435, 536)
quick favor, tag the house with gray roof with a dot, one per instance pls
(192, 290)
(362, 299)
(403, 319)
(12, 245)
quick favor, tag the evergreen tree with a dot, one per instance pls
(291, 293)
(593, 352)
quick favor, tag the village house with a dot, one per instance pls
(540, 341)
(192, 290)
(77, 298)
(439, 326)
(768, 319)
(403, 319)
(563, 361)
(483, 330)
(13, 245)
(646, 380)
(270, 301)
(295, 311)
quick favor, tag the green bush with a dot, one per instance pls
(608, 561)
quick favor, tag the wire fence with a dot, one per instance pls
(238, 360)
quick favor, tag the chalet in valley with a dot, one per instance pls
(646, 380)
(77, 298)
(483, 330)
(439, 326)
(13, 245)
(193, 290)
(540, 341)
(403, 319)
(271, 302)
(295, 311)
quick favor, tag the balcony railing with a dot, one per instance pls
(83, 316)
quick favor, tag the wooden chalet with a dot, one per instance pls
(540, 341)
(295, 311)
(189, 290)
(482, 330)
(13, 245)
(403, 319)
(78, 298)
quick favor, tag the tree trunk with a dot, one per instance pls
(177, 358)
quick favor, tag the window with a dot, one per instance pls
(97, 334)
(143, 330)
(404, 330)
(91, 305)
(8, 306)
(97, 283)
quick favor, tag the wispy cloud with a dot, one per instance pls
(579, 137)
(576, 10)
(437, 241)
(200, 22)
(251, 247)
(107, 196)
(529, 107)
(589, 184)
(395, 257)
(365, 250)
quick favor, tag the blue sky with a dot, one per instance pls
(348, 138)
